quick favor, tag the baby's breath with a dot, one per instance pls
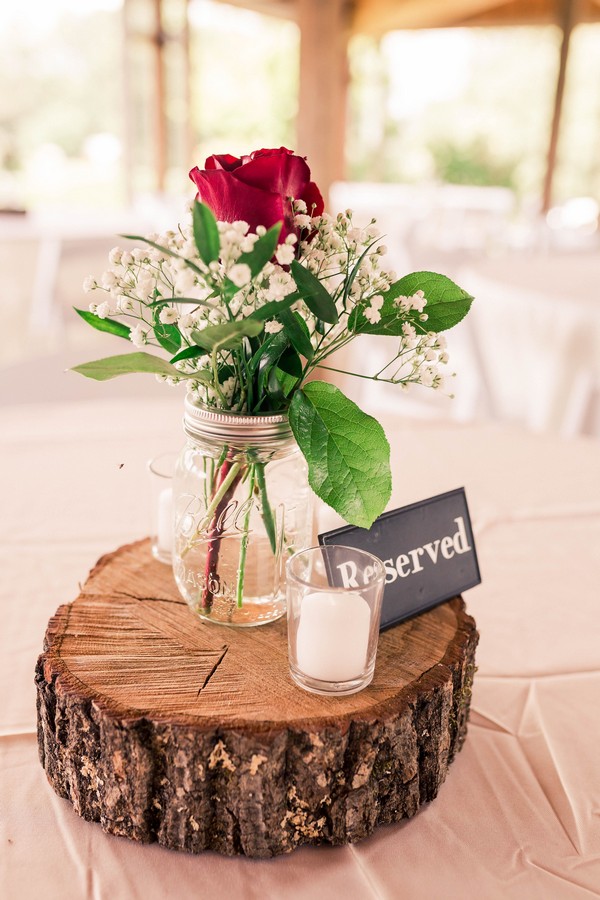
(169, 296)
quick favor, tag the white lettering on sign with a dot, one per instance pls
(411, 562)
(349, 571)
(401, 562)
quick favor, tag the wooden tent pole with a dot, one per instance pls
(187, 68)
(567, 23)
(321, 122)
(160, 121)
(127, 104)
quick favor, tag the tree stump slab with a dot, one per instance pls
(162, 727)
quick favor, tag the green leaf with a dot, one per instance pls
(297, 332)
(447, 304)
(138, 237)
(168, 336)
(272, 309)
(206, 233)
(316, 297)
(272, 347)
(278, 355)
(227, 335)
(274, 385)
(346, 450)
(350, 280)
(262, 252)
(118, 328)
(189, 301)
(257, 258)
(287, 382)
(130, 363)
(290, 362)
(189, 353)
(267, 355)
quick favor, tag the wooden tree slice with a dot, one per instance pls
(165, 728)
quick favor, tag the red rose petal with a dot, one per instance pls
(231, 200)
(288, 175)
(225, 161)
(257, 188)
(313, 199)
(257, 153)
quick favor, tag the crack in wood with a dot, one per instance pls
(104, 594)
(224, 650)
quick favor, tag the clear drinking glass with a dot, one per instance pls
(334, 597)
(161, 470)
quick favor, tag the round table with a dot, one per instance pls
(518, 814)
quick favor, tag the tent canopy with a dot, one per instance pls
(326, 26)
(376, 17)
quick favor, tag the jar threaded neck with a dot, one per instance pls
(233, 428)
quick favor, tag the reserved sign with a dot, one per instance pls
(428, 551)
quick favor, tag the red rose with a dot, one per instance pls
(257, 188)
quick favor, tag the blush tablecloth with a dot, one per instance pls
(519, 813)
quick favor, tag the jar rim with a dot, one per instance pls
(203, 421)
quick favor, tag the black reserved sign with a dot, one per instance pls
(427, 549)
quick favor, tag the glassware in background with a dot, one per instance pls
(334, 597)
(161, 470)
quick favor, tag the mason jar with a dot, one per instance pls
(242, 507)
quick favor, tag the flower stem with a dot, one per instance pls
(223, 488)
(239, 593)
(229, 476)
(267, 513)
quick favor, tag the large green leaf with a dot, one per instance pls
(110, 325)
(346, 450)
(206, 233)
(227, 335)
(316, 297)
(447, 304)
(131, 363)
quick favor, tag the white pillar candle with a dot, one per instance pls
(165, 521)
(333, 635)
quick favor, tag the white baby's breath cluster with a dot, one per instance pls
(333, 247)
(165, 286)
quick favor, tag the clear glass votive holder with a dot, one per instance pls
(334, 597)
(161, 470)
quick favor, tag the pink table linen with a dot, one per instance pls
(519, 813)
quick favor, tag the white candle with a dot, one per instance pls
(165, 521)
(333, 635)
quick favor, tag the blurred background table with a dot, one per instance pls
(518, 814)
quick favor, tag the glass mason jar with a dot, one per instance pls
(242, 507)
